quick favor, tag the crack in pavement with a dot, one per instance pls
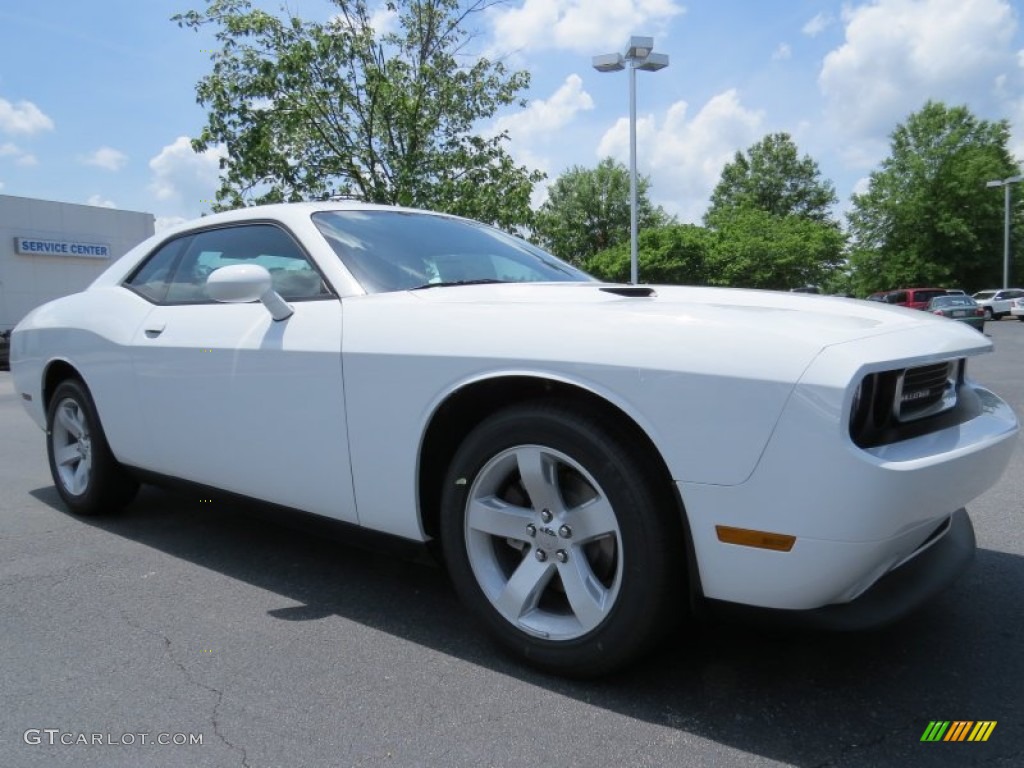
(169, 650)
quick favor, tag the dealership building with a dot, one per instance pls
(50, 249)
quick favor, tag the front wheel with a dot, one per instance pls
(988, 313)
(87, 476)
(560, 538)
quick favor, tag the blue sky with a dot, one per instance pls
(97, 99)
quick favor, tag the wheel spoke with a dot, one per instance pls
(587, 596)
(80, 479)
(498, 518)
(523, 590)
(66, 455)
(592, 520)
(539, 475)
(69, 419)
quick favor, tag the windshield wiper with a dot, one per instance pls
(449, 283)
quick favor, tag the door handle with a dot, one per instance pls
(152, 331)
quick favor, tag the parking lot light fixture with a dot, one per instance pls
(639, 55)
(1005, 184)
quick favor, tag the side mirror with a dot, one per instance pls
(242, 283)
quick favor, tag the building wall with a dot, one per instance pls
(26, 281)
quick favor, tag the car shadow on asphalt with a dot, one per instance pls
(800, 697)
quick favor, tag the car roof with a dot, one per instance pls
(288, 211)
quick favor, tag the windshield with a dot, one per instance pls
(401, 250)
(982, 295)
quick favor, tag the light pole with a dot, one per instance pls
(639, 56)
(1005, 184)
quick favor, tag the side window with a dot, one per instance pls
(294, 277)
(152, 279)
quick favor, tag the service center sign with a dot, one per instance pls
(33, 246)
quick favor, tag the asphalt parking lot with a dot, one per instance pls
(282, 645)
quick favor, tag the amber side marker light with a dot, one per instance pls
(779, 542)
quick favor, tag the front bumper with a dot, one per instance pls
(897, 593)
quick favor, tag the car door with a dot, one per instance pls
(232, 398)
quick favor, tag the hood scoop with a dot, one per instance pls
(630, 291)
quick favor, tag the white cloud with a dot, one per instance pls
(1017, 130)
(817, 25)
(782, 53)
(542, 117)
(684, 158)
(107, 158)
(23, 118)
(582, 26)
(899, 53)
(181, 174)
(538, 126)
(166, 222)
(384, 21)
(100, 201)
(20, 156)
(862, 185)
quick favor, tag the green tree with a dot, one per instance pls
(770, 212)
(927, 217)
(772, 177)
(310, 110)
(757, 249)
(672, 254)
(587, 211)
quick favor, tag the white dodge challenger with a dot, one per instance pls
(593, 459)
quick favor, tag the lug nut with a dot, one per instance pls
(531, 530)
(541, 555)
(545, 515)
(562, 556)
(565, 532)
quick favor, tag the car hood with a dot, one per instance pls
(817, 321)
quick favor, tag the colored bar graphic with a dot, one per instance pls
(982, 730)
(958, 730)
(935, 731)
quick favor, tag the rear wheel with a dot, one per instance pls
(556, 535)
(87, 476)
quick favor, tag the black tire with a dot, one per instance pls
(1021, 318)
(90, 481)
(637, 568)
(988, 313)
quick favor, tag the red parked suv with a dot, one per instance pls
(915, 298)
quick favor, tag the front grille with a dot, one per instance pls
(894, 405)
(924, 391)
